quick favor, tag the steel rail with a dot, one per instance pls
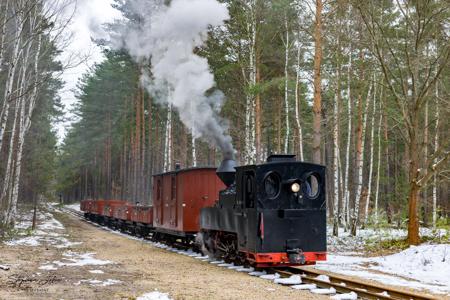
(341, 284)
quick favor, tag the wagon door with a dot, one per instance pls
(158, 201)
(173, 201)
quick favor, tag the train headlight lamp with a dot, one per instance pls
(295, 187)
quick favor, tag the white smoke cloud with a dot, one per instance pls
(167, 36)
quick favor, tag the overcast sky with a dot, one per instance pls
(86, 24)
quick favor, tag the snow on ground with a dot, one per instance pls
(421, 267)
(74, 206)
(348, 243)
(48, 268)
(49, 231)
(74, 259)
(154, 296)
(96, 282)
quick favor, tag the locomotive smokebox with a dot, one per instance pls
(226, 171)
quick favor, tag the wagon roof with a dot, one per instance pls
(185, 170)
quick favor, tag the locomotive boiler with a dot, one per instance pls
(271, 214)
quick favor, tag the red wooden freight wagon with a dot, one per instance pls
(86, 205)
(98, 206)
(123, 212)
(142, 214)
(111, 207)
(178, 197)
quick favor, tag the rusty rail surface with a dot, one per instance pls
(341, 284)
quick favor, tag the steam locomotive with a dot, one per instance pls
(266, 215)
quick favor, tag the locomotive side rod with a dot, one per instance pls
(345, 285)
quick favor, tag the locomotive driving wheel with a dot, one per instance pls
(222, 245)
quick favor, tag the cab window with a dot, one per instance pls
(249, 189)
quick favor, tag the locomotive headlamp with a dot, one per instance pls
(295, 187)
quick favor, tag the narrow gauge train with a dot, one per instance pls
(266, 215)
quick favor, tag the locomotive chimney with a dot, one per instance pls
(226, 171)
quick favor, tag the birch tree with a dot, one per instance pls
(415, 75)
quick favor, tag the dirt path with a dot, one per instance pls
(136, 268)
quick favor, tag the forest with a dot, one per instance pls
(361, 87)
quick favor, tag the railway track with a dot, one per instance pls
(341, 284)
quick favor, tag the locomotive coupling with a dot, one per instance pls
(296, 256)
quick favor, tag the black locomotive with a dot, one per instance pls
(272, 214)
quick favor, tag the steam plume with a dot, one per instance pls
(167, 36)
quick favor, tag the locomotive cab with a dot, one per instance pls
(273, 214)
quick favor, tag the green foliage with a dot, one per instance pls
(391, 245)
(105, 94)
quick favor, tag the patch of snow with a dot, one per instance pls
(347, 296)
(310, 286)
(257, 273)
(270, 276)
(80, 259)
(66, 243)
(423, 267)
(50, 224)
(48, 268)
(384, 293)
(427, 263)
(31, 241)
(49, 231)
(154, 296)
(202, 257)
(74, 206)
(324, 291)
(293, 280)
(96, 271)
(235, 267)
(247, 270)
(323, 278)
(96, 282)
(226, 265)
(217, 262)
(110, 282)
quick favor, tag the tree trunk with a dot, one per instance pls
(286, 90)
(360, 141)
(336, 164)
(317, 106)
(4, 112)
(298, 104)
(194, 151)
(349, 141)
(414, 188)
(377, 189)
(258, 112)
(168, 141)
(25, 123)
(372, 132)
(3, 33)
(436, 147)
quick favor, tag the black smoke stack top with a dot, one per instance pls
(226, 171)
